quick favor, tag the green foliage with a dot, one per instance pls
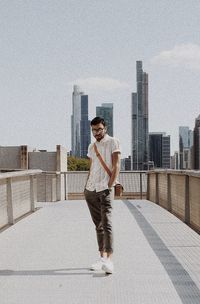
(77, 164)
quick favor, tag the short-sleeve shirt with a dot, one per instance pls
(99, 178)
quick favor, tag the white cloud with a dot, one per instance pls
(183, 55)
(97, 83)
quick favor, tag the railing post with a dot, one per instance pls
(65, 186)
(157, 189)
(9, 201)
(140, 185)
(169, 202)
(58, 187)
(33, 192)
(187, 201)
(148, 186)
(45, 182)
(53, 189)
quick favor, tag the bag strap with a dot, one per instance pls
(102, 161)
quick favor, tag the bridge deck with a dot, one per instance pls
(45, 257)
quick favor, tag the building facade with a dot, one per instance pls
(126, 164)
(165, 151)
(140, 129)
(80, 125)
(106, 111)
(175, 161)
(185, 147)
(85, 134)
(159, 150)
(197, 144)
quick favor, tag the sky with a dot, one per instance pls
(46, 46)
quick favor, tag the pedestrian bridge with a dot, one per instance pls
(45, 257)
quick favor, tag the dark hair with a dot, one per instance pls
(98, 120)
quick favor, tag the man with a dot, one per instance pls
(99, 190)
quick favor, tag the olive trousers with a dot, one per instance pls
(100, 207)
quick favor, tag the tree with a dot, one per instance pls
(77, 164)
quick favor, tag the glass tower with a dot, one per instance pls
(106, 111)
(185, 145)
(197, 144)
(85, 127)
(80, 125)
(140, 129)
(159, 149)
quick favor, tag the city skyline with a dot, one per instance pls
(44, 51)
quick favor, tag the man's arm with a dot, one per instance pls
(115, 168)
(90, 164)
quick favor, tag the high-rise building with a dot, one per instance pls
(159, 149)
(175, 161)
(80, 134)
(126, 164)
(106, 111)
(197, 143)
(166, 151)
(140, 129)
(155, 149)
(85, 134)
(185, 145)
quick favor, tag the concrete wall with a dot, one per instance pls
(61, 158)
(45, 161)
(10, 157)
(61, 167)
(23, 157)
(50, 186)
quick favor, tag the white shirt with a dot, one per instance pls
(99, 178)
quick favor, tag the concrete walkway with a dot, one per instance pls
(45, 257)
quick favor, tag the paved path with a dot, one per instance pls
(45, 257)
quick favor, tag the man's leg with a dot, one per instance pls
(94, 205)
(106, 198)
(106, 216)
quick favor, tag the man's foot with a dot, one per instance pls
(108, 266)
(98, 265)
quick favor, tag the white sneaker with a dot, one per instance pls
(108, 266)
(98, 265)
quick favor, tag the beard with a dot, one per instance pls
(99, 137)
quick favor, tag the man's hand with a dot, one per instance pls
(115, 168)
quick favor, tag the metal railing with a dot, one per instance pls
(18, 194)
(19, 190)
(134, 183)
(177, 191)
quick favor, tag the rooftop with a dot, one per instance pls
(45, 257)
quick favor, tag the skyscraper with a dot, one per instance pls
(159, 149)
(85, 127)
(140, 129)
(155, 149)
(165, 151)
(197, 144)
(185, 145)
(106, 111)
(80, 134)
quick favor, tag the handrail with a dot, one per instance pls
(178, 191)
(18, 196)
(195, 173)
(18, 174)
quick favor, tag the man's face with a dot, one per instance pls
(98, 131)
